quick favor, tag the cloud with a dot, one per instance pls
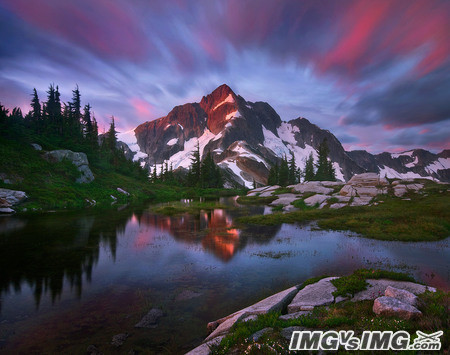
(408, 103)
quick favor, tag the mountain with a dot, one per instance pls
(246, 138)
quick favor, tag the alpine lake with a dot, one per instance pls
(69, 280)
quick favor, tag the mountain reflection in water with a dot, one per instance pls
(42, 251)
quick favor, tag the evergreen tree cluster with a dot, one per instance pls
(57, 125)
(204, 174)
(287, 172)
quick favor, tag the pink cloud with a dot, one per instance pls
(142, 108)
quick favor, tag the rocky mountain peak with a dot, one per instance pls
(220, 106)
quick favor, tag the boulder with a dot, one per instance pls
(273, 303)
(119, 339)
(10, 198)
(78, 159)
(317, 294)
(286, 333)
(338, 205)
(368, 179)
(347, 190)
(400, 190)
(402, 295)
(285, 199)
(150, 320)
(204, 349)
(315, 199)
(256, 336)
(361, 201)
(377, 288)
(6, 210)
(312, 186)
(36, 146)
(122, 191)
(389, 306)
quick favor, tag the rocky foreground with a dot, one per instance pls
(391, 298)
(360, 190)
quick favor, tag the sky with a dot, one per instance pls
(374, 73)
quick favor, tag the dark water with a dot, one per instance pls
(69, 280)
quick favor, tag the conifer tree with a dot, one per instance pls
(292, 177)
(283, 175)
(273, 175)
(325, 171)
(309, 168)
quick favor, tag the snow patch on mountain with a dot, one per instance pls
(390, 173)
(407, 153)
(413, 164)
(286, 132)
(338, 171)
(173, 141)
(228, 99)
(440, 164)
(234, 114)
(244, 152)
(129, 138)
(274, 143)
(231, 164)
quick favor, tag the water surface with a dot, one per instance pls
(73, 279)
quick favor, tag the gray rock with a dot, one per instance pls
(400, 190)
(377, 288)
(285, 199)
(122, 191)
(119, 339)
(12, 197)
(361, 201)
(36, 146)
(78, 159)
(93, 350)
(6, 210)
(204, 349)
(368, 179)
(402, 295)
(249, 318)
(389, 306)
(150, 320)
(256, 336)
(317, 294)
(259, 189)
(348, 190)
(287, 332)
(273, 303)
(315, 199)
(338, 205)
(312, 186)
(294, 315)
(340, 299)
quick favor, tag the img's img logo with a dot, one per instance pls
(369, 340)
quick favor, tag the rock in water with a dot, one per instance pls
(389, 306)
(119, 339)
(150, 320)
(78, 159)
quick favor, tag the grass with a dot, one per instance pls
(356, 282)
(301, 205)
(423, 218)
(255, 200)
(51, 186)
(357, 316)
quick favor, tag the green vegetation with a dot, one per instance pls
(301, 205)
(357, 316)
(287, 173)
(426, 217)
(356, 282)
(255, 200)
